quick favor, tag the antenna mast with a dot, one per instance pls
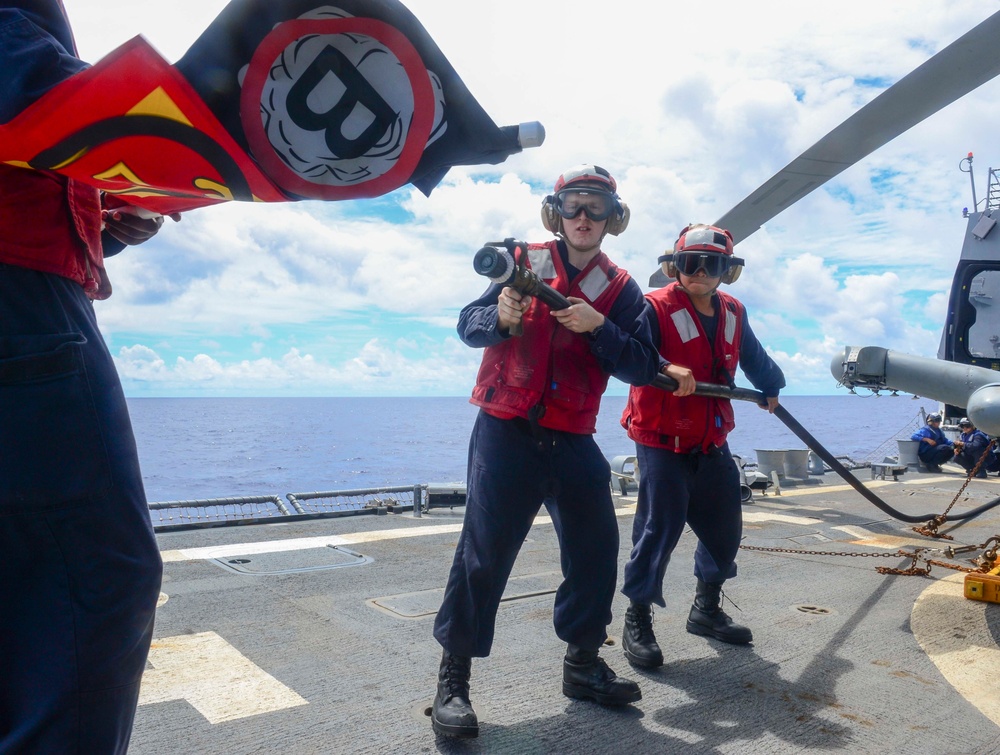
(993, 191)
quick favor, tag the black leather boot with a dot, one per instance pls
(587, 677)
(452, 714)
(707, 617)
(638, 639)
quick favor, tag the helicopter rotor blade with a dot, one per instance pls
(965, 64)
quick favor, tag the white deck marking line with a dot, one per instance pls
(787, 493)
(322, 541)
(889, 542)
(213, 677)
(925, 480)
(871, 484)
(303, 543)
(954, 633)
(767, 516)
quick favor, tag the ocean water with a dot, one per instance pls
(192, 448)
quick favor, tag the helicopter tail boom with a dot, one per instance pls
(977, 389)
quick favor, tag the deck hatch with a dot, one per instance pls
(414, 605)
(292, 562)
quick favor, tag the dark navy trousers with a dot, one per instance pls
(511, 474)
(967, 460)
(79, 565)
(700, 490)
(935, 455)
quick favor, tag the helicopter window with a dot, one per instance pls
(984, 332)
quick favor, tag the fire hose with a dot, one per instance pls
(496, 261)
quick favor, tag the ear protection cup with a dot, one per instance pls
(667, 265)
(618, 223)
(550, 218)
(732, 274)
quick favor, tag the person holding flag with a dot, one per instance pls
(80, 562)
(532, 444)
(82, 566)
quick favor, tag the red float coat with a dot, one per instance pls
(549, 365)
(655, 417)
(52, 224)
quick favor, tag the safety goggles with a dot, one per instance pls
(714, 265)
(597, 205)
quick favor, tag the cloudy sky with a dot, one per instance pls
(690, 106)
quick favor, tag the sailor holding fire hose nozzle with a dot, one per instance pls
(545, 367)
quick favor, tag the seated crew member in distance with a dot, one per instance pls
(971, 446)
(935, 448)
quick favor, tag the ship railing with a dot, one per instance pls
(262, 509)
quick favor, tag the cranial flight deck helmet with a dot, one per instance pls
(589, 188)
(703, 247)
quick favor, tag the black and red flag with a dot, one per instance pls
(276, 101)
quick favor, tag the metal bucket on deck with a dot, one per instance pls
(796, 463)
(908, 452)
(816, 464)
(770, 461)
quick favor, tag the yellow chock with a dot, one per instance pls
(983, 586)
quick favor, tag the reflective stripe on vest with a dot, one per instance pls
(686, 327)
(594, 284)
(688, 330)
(730, 325)
(542, 264)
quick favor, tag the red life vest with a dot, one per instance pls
(548, 365)
(655, 417)
(52, 224)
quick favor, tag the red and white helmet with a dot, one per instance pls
(704, 238)
(586, 179)
(590, 174)
(706, 247)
